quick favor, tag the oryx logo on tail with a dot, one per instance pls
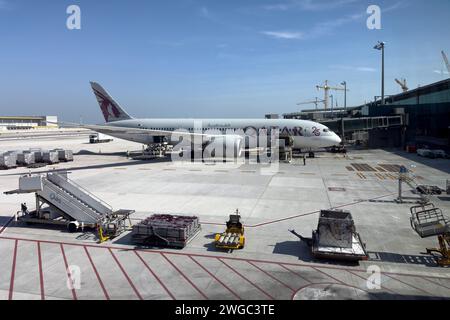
(110, 109)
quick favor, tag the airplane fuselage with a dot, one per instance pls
(304, 133)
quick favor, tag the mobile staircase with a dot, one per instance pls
(61, 201)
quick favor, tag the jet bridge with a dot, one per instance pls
(61, 201)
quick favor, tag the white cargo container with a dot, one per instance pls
(50, 157)
(8, 160)
(65, 155)
(37, 154)
(27, 183)
(25, 158)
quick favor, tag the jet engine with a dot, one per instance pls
(228, 146)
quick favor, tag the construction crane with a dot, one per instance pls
(326, 88)
(402, 84)
(444, 56)
(315, 102)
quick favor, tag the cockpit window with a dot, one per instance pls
(326, 130)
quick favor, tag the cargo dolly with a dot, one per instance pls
(60, 201)
(429, 221)
(164, 230)
(336, 238)
(233, 238)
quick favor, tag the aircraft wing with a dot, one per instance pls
(108, 129)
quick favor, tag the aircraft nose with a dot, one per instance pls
(337, 139)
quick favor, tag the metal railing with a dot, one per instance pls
(93, 196)
(72, 200)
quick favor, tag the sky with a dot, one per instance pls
(211, 58)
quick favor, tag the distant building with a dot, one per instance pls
(27, 122)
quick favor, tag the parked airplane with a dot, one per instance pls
(229, 133)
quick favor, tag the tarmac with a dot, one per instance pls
(50, 263)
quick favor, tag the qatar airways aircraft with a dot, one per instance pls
(230, 133)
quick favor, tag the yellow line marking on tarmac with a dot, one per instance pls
(362, 176)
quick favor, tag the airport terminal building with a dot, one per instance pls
(27, 122)
(426, 112)
(417, 117)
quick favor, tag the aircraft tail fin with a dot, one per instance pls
(110, 108)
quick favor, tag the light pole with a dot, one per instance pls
(344, 83)
(380, 46)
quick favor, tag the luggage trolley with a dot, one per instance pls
(429, 221)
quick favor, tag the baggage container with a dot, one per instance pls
(25, 158)
(336, 238)
(37, 155)
(8, 160)
(65, 155)
(50, 157)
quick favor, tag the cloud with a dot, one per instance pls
(278, 7)
(441, 72)
(366, 69)
(398, 5)
(353, 68)
(308, 5)
(287, 35)
(320, 29)
(326, 27)
(204, 12)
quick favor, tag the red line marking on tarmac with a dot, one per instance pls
(437, 283)
(96, 273)
(218, 280)
(299, 215)
(336, 279)
(185, 277)
(361, 277)
(6, 225)
(69, 275)
(246, 279)
(210, 256)
(271, 276)
(294, 272)
(125, 274)
(410, 285)
(155, 276)
(41, 273)
(13, 271)
(315, 212)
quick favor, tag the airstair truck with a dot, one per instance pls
(60, 201)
